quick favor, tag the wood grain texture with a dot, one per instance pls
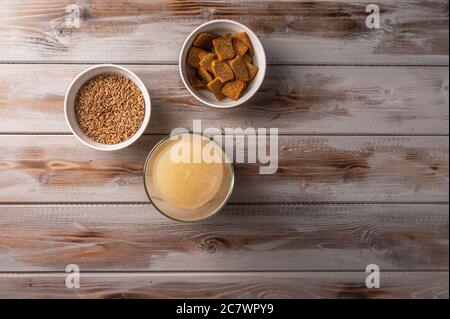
(355, 198)
(412, 31)
(310, 169)
(296, 100)
(241, 237)
(228, 285)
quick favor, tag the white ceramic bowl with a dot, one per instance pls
(221, 27)
(79, 81)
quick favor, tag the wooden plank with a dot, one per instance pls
(242, 237)
(310, 169)
(412, 31)
(310, 285)
(304, 100)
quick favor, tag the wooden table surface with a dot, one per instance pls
(363, 176)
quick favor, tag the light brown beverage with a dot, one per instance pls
(188, 179)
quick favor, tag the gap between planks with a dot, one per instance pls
(279, 134)
(137, 273)
(300, 204)
(18, 62)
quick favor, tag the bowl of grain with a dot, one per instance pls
(107, 107)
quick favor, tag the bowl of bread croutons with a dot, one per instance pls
(222, 63)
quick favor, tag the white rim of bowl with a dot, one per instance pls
(132, 139)
(180, 61)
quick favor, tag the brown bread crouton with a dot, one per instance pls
(223, 47)
(247, 58)
(252, 70)
(204, 75)
(206, 61)
(194, 56)
(233, 89)
(215, 86)
(222, 71)
(239, 68)
(204, 40)
(195, 81)
(243, 37)
(239, 47)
